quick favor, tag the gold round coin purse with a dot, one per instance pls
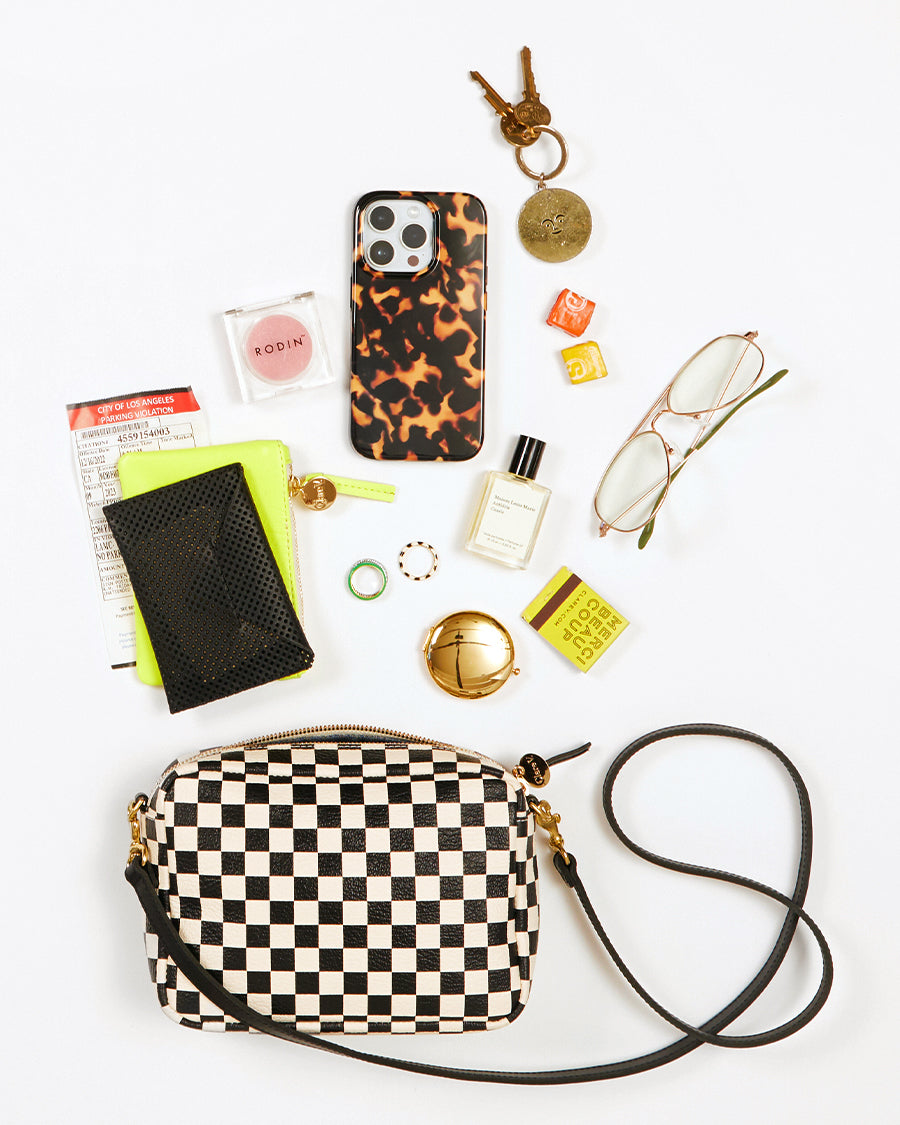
(470, 654)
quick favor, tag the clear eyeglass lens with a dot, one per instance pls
(633, 487)
(718, 375)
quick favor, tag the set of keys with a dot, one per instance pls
(554, 224)
(518, 123)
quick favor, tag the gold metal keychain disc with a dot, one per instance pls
(554, 224)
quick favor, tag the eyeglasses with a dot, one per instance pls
(721, 375)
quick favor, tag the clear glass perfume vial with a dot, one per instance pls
(278, 346)
(511, 509)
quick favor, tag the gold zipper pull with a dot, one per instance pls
(138, 849)
(318, 490)
(533, 769)
(317, 493)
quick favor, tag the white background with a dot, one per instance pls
(165, 162)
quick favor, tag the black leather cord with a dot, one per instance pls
(792, 904)
(140, 878)
(568, 755)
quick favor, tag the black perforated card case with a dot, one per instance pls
(215, 605)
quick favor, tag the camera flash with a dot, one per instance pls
(413, 260)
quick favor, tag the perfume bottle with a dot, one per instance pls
(511, 509)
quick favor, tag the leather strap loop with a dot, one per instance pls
(709, 1032)
(350, 486)
(568, 755)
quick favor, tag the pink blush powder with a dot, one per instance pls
(278, 348)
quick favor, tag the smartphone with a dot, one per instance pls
(418, 313)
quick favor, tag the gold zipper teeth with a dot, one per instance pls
(295, 546)
(349, 729)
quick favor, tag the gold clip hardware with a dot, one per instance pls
(548, 821)
(138, 849)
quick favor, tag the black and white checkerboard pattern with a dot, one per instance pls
(347, 887)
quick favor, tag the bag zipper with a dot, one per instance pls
(544, 817)
(294, 550)
(304, 731)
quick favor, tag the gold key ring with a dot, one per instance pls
(563, 160)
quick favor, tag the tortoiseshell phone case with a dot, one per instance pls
(417, 356)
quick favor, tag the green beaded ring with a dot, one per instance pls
(371, 564)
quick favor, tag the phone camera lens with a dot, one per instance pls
(381, 218)
(413, 236)
(381, 252)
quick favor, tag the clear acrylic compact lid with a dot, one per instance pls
(278, 346)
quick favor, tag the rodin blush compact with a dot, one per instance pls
(278, 346)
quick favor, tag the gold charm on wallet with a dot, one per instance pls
(317, 493)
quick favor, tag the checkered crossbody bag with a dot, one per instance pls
(353, 880)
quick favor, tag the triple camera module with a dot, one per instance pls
(398, 235)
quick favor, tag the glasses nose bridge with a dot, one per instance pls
(654, 417)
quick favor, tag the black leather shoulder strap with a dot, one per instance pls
(709, 1032)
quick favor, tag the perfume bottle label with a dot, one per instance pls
(509, 517)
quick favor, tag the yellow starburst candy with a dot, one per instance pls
(584, 362)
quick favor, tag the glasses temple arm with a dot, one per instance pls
(704, 438)
(770, 382)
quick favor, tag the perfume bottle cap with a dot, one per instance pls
(527, 458)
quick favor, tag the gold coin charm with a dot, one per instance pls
(554, 224)
(317, 493)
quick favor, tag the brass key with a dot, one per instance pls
(515, 131)
(530, 111)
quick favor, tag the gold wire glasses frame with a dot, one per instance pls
(723, 373)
